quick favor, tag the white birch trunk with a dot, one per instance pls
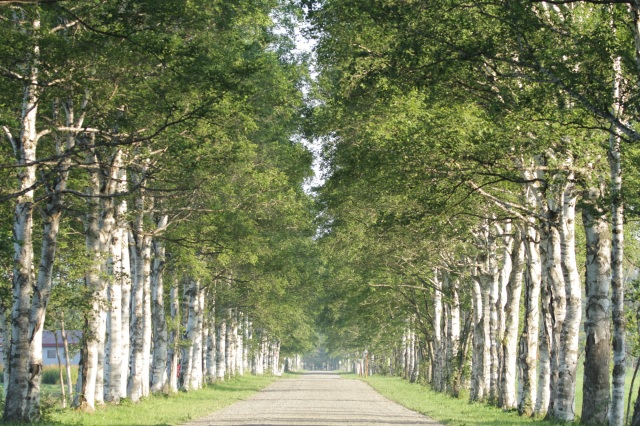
(478, 387)
(140, 337)
(412, 360)
(234, 342)
(93, 283)
(268, 356)
(186, 368)
(113, 390)
(198, 354)
(221, 350)
(6, 342)
(67, 358)
(437, 366)
(503, 282)
(147, 321)
(60, 373)
(210, 374)
(596, 389)
(507, 399)
(553, 309)
(124, 276)
(493, 326)
(240, 345)
(192, 355)
(247, 343)
(275, 358)
(453, 343)
(134, 384)
(410, 353)
(485, 288)
(564, 404)
(616, 412)
(52, 215)
(101, 341)
(230, 354)
(528, 356)
(17, 405)
(99, 224)
(405, 354)
(159, 365)
(175, 336)
(546, 351)
(258, 362)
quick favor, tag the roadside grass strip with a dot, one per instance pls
(174, 409)
(443, 408)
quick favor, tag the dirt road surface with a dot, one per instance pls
(316, 398)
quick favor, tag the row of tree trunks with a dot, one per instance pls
(410, 358)
(31, 292)
(534, 254)
(211, 349)
(127, 319)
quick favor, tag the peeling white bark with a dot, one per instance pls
(159, 364)
(240, 344)
(123, 275)
(221, 350)
(453, 342)
(596, 387)
(22, 364)
(616, 412)
(508, 398)
(174, 336)
(192, 353)
(528, 354)
(258, 360)
(438, 362)
(564, 404)
(478, 380)
(210, 355)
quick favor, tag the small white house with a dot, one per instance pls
(49, 356)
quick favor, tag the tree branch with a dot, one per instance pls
(507, 206)
(14, 145)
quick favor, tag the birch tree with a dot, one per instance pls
(596, 385)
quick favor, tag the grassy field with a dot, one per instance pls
(164, 410)
(458, 412)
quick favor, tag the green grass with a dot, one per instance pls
(165, 410)
(454, 411)
(443, 408)
(627, 386)
(51, 374)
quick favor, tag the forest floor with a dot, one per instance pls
(315, 398)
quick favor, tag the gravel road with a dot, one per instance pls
(316, 398)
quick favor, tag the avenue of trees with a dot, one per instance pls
(151, 194)
(482, 175)
(477, 228)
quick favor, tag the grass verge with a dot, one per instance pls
(175, 409)
(443, 408)
(454, 411)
